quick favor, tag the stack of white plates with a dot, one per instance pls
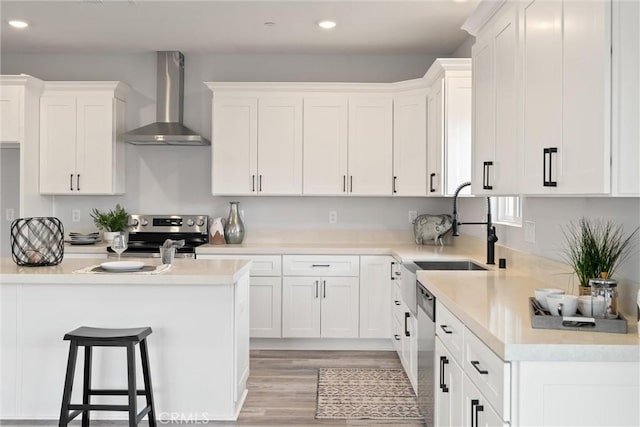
(84, 238)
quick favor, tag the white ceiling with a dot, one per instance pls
(82, 26)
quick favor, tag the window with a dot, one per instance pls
(507, 210)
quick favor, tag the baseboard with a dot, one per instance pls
(321, 344)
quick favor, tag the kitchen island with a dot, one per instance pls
(199, 348)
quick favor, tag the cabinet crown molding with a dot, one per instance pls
(299, 87)
(21, 80)
(117, 89)
(442, 65)
(481, 15)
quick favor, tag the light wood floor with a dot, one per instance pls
(282, 389)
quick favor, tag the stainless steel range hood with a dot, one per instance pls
(168, 128)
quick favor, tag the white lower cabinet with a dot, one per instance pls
(405, 335)
(375, 286)
(476, 410)
(315, 307)
(448, 396)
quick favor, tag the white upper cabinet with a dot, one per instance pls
(448, 125)
(410, 144)
(234, 146)
(325, 144)
(79, 150)
(495, 147)
(566, 60)
(626, 98)
(10, 113)
(370, 145)
(257, 144)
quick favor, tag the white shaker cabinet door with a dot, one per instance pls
(325, 145)
(280, 145)
(375, 294)
(370, 146)
(339, 314)
(234, 145)
(10, 113)
(447, 381)
(457, 132)
(410, 145)
(435, 141)
(95, 147)
(476, 410)
(58, 145)
(266, 307)
(483, 150)
(301, 307)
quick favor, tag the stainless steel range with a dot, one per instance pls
(148, 232)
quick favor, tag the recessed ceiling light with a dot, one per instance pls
(17, 23)
(327, 25)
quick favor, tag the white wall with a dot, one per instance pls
(163, 179)
(9, 194)
(464, 50)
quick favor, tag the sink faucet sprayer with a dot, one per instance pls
(491, 229)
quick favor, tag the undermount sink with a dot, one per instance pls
(449, 265)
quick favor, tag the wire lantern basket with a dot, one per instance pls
(37, 242)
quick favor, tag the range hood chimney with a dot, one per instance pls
(168, 128)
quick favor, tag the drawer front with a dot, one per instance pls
(321, 265)
(489, 373)
(262, 265)
(451, 332)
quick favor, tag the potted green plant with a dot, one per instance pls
(112, 222)
(596, 248)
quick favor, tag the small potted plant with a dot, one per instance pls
(595, 249)
(112, 222)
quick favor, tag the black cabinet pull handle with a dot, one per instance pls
(475, 364)
(344, 183)
(320, 265)
(406, 327)
(443, 385)
(446, 331)
(392, 264)
(478, 408)
(260, 183)
(548, 152)
(431, 189)
(394, 184)
(324, 289)
(253, 183)
(485, 176)
(71, 182)
(78, 183)
(316, 282)
(396, 337)
(396, 302)
(474, 413)
(351, 184)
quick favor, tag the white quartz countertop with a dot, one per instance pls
(494, 306)
(183, 272)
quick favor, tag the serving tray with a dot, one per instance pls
(542, 319)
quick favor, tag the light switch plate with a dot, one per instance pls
(10, 214)
(333, 217)
(412, 216)
(75, 215)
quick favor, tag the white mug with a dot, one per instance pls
(562, 305)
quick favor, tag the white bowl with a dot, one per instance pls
(541, 295)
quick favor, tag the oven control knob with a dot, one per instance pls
(134, 223)
(190, 222)
(200, 222)
(144, 222)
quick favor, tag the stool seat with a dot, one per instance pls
(104, 334)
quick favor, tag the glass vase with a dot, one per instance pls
(234, 228)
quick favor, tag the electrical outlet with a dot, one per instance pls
(412, 216)
(530, 231)
(333, 217)
(75, 215)
(10, 214)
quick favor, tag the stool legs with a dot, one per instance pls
(144, 355)
(86, 398)
(68, 383)
(131, 376)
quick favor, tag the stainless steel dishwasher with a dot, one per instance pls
(426, 347)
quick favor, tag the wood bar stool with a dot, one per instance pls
(99, 337)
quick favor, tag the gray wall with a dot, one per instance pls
(464, 50)
(178, 179)
(9, 194)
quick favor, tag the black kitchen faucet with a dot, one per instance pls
(492, 238)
